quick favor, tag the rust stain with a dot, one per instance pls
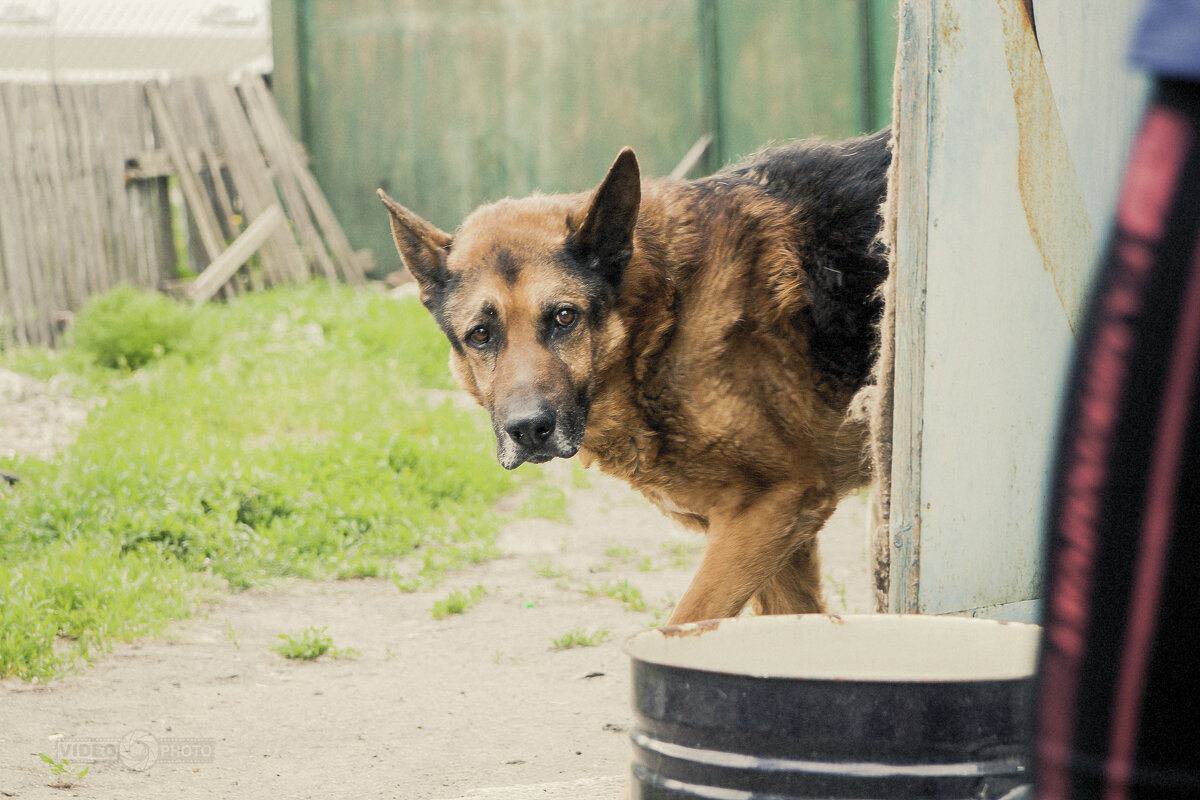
(690, 628)
(949, 32)
(1050, 196)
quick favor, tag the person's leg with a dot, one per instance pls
(1119, 701)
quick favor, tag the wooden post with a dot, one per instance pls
(227, 263)
(202, 211)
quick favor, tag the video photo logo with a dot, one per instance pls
(137, 750)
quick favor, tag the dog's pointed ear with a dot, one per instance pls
(602, 236)
(422, 246)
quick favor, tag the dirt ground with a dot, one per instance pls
(473, 706)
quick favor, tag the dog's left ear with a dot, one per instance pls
(603, 236)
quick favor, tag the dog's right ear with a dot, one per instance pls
(422, 246)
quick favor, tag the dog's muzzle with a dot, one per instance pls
(536, 434)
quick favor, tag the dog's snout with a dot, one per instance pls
(533, 429)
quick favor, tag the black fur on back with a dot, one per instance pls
(837, 190)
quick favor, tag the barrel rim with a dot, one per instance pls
(631, 647)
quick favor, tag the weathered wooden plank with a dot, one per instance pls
(199, 204)
(149, 164)
(86, 177)
(912, 202)
(276, 151)
(88, 240)
(282, 259)
(15, 301)
(225, 265)
(348, 262)
(199, 124)
(43, 261)
(692, 158)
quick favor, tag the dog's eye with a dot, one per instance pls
(479, 336)
(565, 317)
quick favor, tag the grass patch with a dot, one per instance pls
(282, 434)
(309, 645)
(457, 602)
(619, 552)
(580, 638)
(548, 569)
(629, 595)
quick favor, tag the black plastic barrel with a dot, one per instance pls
(816, 706)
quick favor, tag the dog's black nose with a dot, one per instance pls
(532, 430)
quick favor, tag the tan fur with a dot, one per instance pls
(701, 394)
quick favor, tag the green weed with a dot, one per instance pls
(309, 645)
(580, 638)
(629, 595)
(839, 589)
(548, 569)
(457, 602)
(619, 552)
(62, 768)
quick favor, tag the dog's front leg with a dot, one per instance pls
(753, 545)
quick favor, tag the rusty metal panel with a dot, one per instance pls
(1018, 187)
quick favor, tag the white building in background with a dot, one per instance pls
(108, 40)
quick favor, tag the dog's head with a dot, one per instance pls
(521, 291)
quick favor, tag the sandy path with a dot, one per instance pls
(477, 705)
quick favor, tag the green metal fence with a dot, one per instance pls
(450, 103)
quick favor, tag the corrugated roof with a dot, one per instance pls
(74, 40)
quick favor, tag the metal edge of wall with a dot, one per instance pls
(912, 118)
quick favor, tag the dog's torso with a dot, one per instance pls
(750, 309)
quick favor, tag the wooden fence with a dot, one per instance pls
(142, 183)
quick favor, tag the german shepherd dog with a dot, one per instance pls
(708, 341)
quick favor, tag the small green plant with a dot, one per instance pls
(548, 569)
(662, 612)
(457, 602)
(580, 638)
(644, 564)
(839, 589)
(619, 552)
(231, 634)
(127, 328)
(310, 645)
(629, 595)
(62, 768)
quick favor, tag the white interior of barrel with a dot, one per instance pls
(868, 648)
